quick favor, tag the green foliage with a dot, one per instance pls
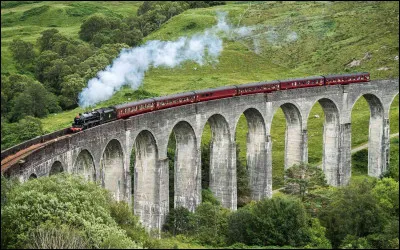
(50, 237)
(210, 224)
(364, 209)
(12, 4)
(100, 30)
(354, 242)
(386, 192)
(22, 52)
(178, 221)
(242, 176)
(300, 179)
(93, 25)
(205, 166)
(393, 171)
(35, 101)
(15, 133)
(278, 221)
(85, 207)
(208, 196)
(317, 236)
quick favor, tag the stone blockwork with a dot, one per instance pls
(103, 153)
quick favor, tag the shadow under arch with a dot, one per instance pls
(187, 184)
(32, 176)
(287, 135)
(222, 177)
(84, 165)
(112, 169)
(146, 184)
(294, 150)
(56, 168)
(256, 154)
(330, 152)
(376, 156)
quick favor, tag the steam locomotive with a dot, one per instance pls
(103, 115)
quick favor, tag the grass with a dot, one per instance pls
(329, 36)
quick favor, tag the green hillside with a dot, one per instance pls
(293, 39)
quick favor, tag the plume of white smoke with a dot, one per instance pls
(131, 64)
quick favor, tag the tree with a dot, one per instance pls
(210, 224)
(300, 179)
(70, 88)
(279, 221)
(178, 221)
(22, 52)
(36, 101)
(45, 41)
(353, 211)
(91, 26)
(25, 129)
(43, 202)
(43, 62)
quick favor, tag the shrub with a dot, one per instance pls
(59, 200)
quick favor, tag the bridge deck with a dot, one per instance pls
(20, 155)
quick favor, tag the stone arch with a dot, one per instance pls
(294, 147)
(222, 172)
(32, 176)
(331, 137)
(84, 165)
(112, 169)
(56, 168)
(187, 186)
(376, 154)
(146, 179)
(256, 154)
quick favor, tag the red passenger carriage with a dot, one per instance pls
(135, 108)
(347, 78)
(217, 93)
(258, 87)
(302, 82)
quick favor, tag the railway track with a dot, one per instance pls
(20, 155)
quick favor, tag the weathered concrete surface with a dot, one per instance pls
(103, 153)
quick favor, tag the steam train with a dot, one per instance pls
(103, 115)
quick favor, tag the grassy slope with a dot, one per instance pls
(330, 35)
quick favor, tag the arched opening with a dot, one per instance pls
(185, 187)
(220, 178)
(112, 170)
(32, 176)
(84, 166)
(330, 139)
(394, 140)
(56, 168)
(374, 135)
(360, 116)
(287, 138)
(146, 181)
(252, 172)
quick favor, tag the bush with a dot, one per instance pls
(64, 237)
(354, 211)
(278, 221)
(61, 200)
(178, 221)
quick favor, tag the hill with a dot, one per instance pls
(291, 39)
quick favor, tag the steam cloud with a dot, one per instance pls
(131, 64)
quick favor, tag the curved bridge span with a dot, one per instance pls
(103, 153)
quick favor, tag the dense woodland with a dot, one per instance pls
(306, 213)
(53, 70)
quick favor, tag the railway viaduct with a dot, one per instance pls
(103, 153)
